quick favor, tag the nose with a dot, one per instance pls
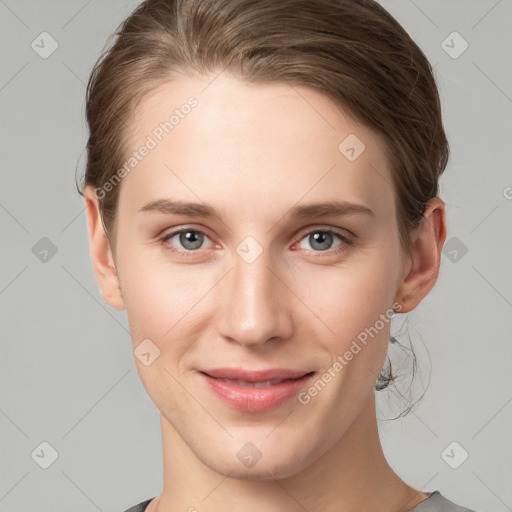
(256, 305)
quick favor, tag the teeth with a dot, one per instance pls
(266, 383)
(261, 384)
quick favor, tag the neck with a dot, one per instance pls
(352, 475)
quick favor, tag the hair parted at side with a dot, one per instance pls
(353, 51)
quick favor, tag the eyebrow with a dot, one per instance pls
(328, 209)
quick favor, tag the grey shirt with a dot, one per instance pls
(434, 503)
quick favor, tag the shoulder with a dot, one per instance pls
(436, 502)
(139, 507)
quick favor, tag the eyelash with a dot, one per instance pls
(346, 241)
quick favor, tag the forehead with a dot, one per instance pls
(219, 136)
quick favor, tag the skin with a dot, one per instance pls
(254, 152)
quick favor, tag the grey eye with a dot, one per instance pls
(191, 239)
(320, 240)
(188, 239)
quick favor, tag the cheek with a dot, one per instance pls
(160, 304)
(353, 296)
(159, 298)
(355, 302)
(151, 294)
(168, 304)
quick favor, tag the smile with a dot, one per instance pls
(257, 391)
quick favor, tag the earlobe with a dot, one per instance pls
(101, 254)
(425, 259)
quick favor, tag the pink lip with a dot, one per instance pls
(255, 399)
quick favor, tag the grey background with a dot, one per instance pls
(67, 371)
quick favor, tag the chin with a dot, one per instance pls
(272, 465)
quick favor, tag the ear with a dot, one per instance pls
(101, 253)
(421, 272)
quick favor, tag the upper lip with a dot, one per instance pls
(254, 375)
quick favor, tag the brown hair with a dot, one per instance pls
(353, 51)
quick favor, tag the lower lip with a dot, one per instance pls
(254, 399)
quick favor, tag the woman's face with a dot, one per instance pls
(265, 282)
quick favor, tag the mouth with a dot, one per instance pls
(255, 391)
